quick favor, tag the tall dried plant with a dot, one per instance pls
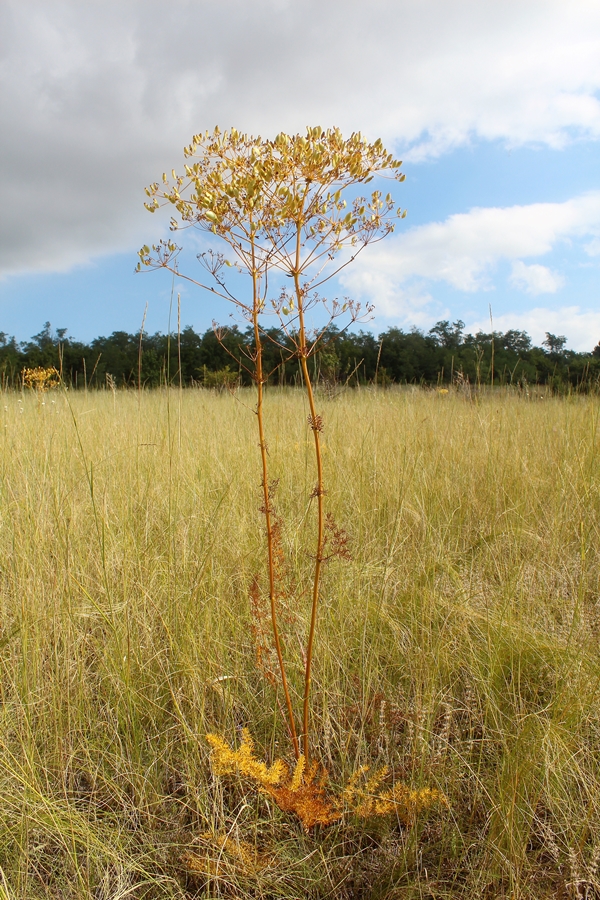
(282, 206)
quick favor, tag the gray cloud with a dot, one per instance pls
(97, 99)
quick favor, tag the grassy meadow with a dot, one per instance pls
(459, 646)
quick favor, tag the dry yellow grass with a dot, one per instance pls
(459, 646)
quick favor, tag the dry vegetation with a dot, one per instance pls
(459, 646)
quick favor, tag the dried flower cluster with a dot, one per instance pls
(230, 853)
(41, 378)
(368, 800)
(304, 790)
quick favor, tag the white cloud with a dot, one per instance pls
(464, 250)
(415, 304)
(581, 326)
(98, 98)
(593, 248)
(535, 279)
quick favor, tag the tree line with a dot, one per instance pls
(443, 355)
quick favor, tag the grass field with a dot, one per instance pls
(459, 646)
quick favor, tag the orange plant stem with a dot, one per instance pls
(319, 491)
(267, 509)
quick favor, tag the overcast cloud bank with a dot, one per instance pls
(102, 96)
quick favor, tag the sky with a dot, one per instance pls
(494, 108)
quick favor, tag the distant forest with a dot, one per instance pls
(443, 355)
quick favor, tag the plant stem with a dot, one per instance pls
(267, 505)
(319, 491)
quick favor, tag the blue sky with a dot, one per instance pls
(493, 107)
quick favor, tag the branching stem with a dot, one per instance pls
(267, 505)
(315, 422)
